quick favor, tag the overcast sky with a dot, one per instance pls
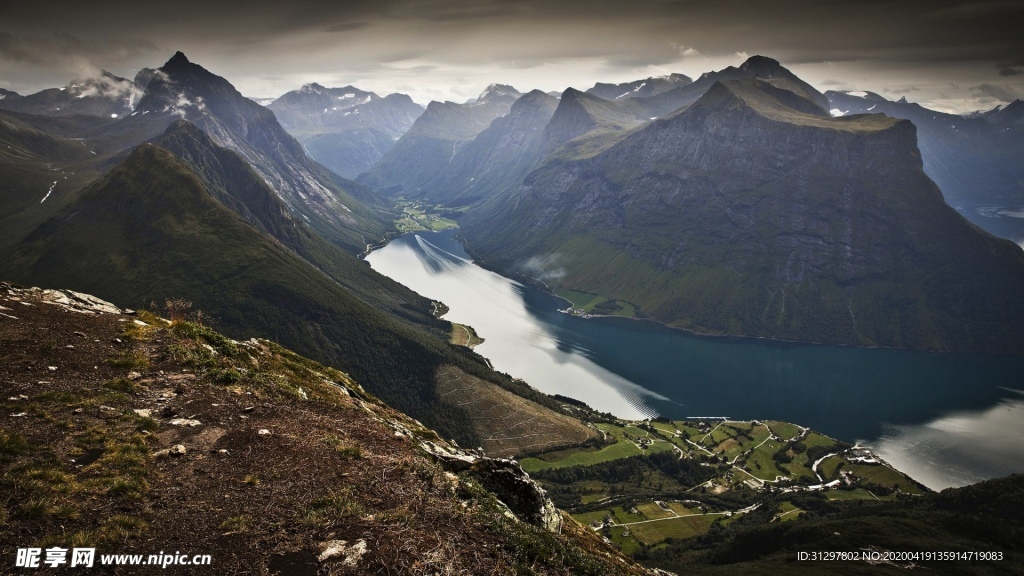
(950, 55)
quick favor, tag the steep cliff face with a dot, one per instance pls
(338, 209)
(425, 151)
(975, 160)
(753, 212)
(581, 114)
(499, 157)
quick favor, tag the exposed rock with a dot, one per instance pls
(185, 422)
(506, 479)
(178, 450)
(517, 491)
(264, 432)
(335, 548)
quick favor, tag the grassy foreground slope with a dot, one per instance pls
(149, 435)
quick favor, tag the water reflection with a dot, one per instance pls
(960, 448)
(902, 401)
(515, 344)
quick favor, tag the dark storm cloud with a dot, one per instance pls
(999, 92)
(272, 38)
(346, 26)
(60, 47)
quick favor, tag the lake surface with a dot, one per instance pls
(945, 419)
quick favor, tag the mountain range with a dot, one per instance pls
(736, 204)
(199, 194)
(423, 153)
(974, 159)
(752, 212)
(103, 95)
(345, 129)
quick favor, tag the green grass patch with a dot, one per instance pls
(829, 466)
(621, 449)
(132, 360)
(652, 511)
(814, 439)
(855, 494)
(784, 430)
(881, 475)
(463, 335)
(680, 509)
(760, 462)
(651, 533)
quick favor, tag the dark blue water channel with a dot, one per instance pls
(914, 403)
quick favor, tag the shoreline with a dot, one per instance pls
(543, 286)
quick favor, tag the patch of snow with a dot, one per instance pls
(48, 192)
(872, 107)
(346, 113)
(113, 115)
(642, 84)
(835, 112)
(2, 96)
(998, 211)
(858, 94)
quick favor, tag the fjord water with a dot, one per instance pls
(946, 419)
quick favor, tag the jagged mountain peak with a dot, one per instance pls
(758, 64)
(179, 59)
(572, 95)
(531, 98)
(497, 91)
(647, 87)
(761, 96)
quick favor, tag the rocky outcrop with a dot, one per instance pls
(525, 499)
